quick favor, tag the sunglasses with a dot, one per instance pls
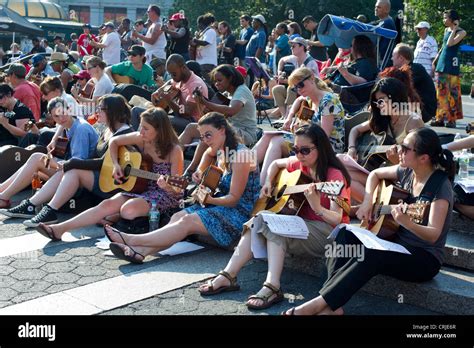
(300, 84)
(404, 149)
(207, 136)
(305, 151)
(379, 103)
(132, 54)
(295, 45)
(90, 67)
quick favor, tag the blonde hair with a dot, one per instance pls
(302, 73)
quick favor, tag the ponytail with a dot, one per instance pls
(446, 160)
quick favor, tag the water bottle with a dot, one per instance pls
(456, 154)
(154, 217)
(464, 164)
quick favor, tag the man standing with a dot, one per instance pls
(36, 47)
(155, 40)
(317, 49)
(245, 35)
(382, 11)
(26, 92)
(111, 45)
(426, 48)
(83, 44)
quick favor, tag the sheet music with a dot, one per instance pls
(369, 239)
(285, 225)
(277, 132)
(349, 162)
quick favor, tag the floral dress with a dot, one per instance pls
(164, 200)
(225, 224)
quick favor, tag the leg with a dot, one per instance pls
(179, 123)
(261, 146)
(240, 257)
(23, 176)
(279, 96)
(202, 147)
(358, 181)
(163, 238)
(134, 208)
(467, 210)
(190, 133)
(48, 190)
(70, 183)
(273, 152)
(91, 216)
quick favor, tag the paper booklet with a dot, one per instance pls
(276, 132)
(349, 162)
(284, 225)
(369, 239)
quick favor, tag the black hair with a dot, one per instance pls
(246, 17)
(176, 59)
(206, 19)
(229, 72)
(155, 9)
(195, 67)
(308, 19)
(283, 26)
(396, 92)
(6, 89)
(427, 143)
(452, 14)
(326, 156)
(364, 46)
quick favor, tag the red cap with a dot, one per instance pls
(177, 16)
(83, 74)
(242, 71)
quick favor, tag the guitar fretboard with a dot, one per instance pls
(326, 187)
(144, 174)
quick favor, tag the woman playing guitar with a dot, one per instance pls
(315, 158)
(223, 215)
(421, 157)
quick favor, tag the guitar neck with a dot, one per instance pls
(300, 188)
(380, 149)
(145, 175)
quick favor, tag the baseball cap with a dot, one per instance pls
(177, 16)
(87, 25)
(300, 40)
(83, 74)
(294, 36)
(423, 24)
(260, 18)
(17, 69)
(58, 57)
(137, 50)
(37, 58)
(242, 71)
(110, 25)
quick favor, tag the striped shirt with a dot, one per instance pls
(426, 50)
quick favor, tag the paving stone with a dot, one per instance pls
(6, 281)
(61, 278)
(6, 270)
(60, 287)
(4, 261)
(88, 251)
(91, 279)
(28, 296)
(27, 264)
(4, 304)
(121, 311)
(179, 305)
(87, 260)
(111, 263)
(29, 285)
(59, 267)
(7, 294)
(61, 257)
(89, 271)
(28, 274)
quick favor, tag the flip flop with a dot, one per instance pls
(119, 252)
(115, 231)
(43, 230)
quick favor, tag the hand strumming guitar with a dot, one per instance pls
(266, 190)
(365, 211)
(118, 173)
(201, 195)
(398, 214)
(197, 176)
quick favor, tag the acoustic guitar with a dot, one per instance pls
(13, 157)
(168, 90)
(371, 149)
(218, 98)
(382, 223)
(287, 197)
(210, 180)
(136, 171)
(123, 79)
(61, 147)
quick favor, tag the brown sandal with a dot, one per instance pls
(47, 231)
(233, 286)
(265, 298)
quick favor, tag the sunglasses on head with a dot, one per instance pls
(379, 103)
(300, 84)
(305, 151)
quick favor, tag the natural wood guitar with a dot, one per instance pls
(210, 180)
(287, 197)
(123, 79)
(382, 223)
(136, 171)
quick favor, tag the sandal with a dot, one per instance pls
(114, 230)
(289, 312)
(120, 253)
(233, 286)
(47, 231)
(265, 298)
(5, 203)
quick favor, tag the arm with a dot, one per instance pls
(108, 71)
(177, 168)
(234, 107)
(237, 186)
(353, 135)
(122, 140)
(465, 143)
(17, 129)
(351, 78)
(327, 124)
(456, 36)
(315, 43)
(154, 35)
(332, 216)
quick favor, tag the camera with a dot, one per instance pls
(288, 68)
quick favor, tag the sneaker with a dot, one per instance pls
(25, 210)
(47, 216)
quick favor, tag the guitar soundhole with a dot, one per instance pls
(281, 192)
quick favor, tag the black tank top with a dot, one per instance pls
(181, 45)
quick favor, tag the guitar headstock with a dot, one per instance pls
(416, 211)
(178, 182)
(331, 188)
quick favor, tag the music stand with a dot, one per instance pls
(260, 74)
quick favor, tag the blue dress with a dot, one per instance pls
(225, 224)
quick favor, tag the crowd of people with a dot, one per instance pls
(157, 88)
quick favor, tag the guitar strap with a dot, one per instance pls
(432, 187)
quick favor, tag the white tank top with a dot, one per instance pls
(158, 48)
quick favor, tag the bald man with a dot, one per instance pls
(382, 11)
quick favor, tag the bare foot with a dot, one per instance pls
(329, 311)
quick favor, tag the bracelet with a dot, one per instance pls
(352, 147)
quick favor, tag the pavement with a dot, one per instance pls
(74, 277)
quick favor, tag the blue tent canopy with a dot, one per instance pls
(340, 31)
